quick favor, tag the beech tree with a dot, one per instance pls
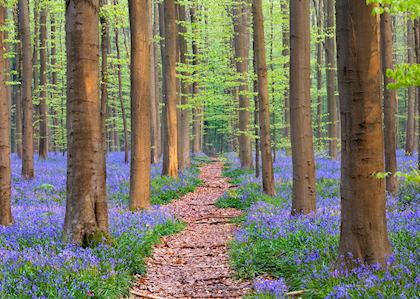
(5, 172)
(140, 104)
(241, 47)
(410, 141)
(390, 103)
(264, 112)
(304, 191)
(170, 152)
(86, 218)
(43, 108)
(363, 231)
(26, 91)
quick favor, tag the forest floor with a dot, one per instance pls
(195, 262)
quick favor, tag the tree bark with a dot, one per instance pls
(157, 150)
(5, 171)
(410, 141)
(330, 57)
(54, 81)
(43, 108)
(26, 92)
(184, 155)
(86, 220)
(256, 121)
(264, 112)
(120, 96)
(389, 103)
(363, 221)
(18, 89)
(170, 153)
(197, 120)
(153, 107)
(319, 60)
(141, 42)
(241, 45)
(417, 43)
(285, 53)
(304, 197)
(104, 72)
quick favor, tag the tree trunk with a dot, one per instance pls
(170, 153)
(330, 57)
(43, 108)
(157, 150)
(5, 171)
(241, 46)
(410, 141)
(35, 75)
(256, 121)
(319, 59)
(196, 148)
(153, 115)
(264, 112)
(285, 53)
(304, 197)
(120, 96)
(141, 42)
(26, 92)
(363, 221)
(390, 103)
(18, 89)
(86, 220)
(184, 158)
(54, 81)
(417, 43)
(104, 72)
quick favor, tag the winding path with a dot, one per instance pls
(195, 262)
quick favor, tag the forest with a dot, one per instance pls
(165, 149)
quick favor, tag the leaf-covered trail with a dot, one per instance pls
(195, 263)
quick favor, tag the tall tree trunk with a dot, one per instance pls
(54, 81)
(35, 75)
(319, 60)
(285, 53)
(390, 103)
(86, 217)
(410, 141)
(153, 115)
(104, 72)
(157, 150)
(256, 121)
(363, 221)
(170, 153)
(18, 89)
(417, 43)
(141, 41)
(164, 88)
(241, 46)
(120, 96)
(264, 111)
(5, 171)
(26, 92)
(330, 60)
(196, 146)
(43, 108)
(304, 197)
(184, 157)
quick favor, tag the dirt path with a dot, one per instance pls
(195, 263)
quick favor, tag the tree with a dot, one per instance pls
(241, 46)
(170, 152)
(43, 108)
(410, 140)
(5, 172)
(104, 70)
(26, 91)
(417, 45)
(300, 109)
(86, 218)
(184, 121)
(390, 103)
(140, 104)
(330, 57)
(264, 113)
(363, 221)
